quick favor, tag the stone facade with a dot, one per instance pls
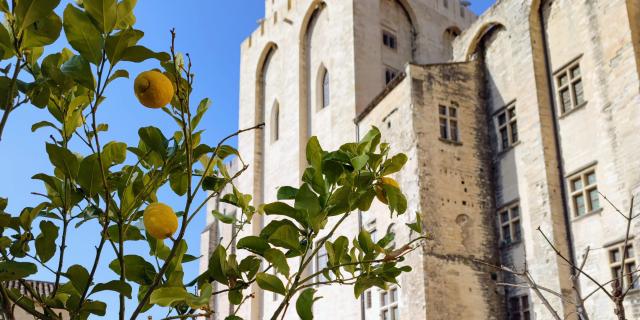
(546, 95)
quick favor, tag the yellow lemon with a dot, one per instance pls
(153, 89)
(160, 220)
(380, 193)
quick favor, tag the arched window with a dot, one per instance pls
(326, 93)
(275, 122)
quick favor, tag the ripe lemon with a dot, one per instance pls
(153, 89)
(380, 193)
(160, 220)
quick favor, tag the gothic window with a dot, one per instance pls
(509, 220)
(389, 75)
(623, 269)
(275, 122)
(389, 304)
(569, 89)
(507, 127)
(584, 192)
(325, 87)
(389, 40)
(519, 308)
(449, 122)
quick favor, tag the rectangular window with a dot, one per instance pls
(507, 127)
(584, 192)
(389, 75)
(509, 219)
(445, 3)
(389, 304)
(519, 308)
(448, 117)
(569, 87)
(389, 40)
(322, 261)
(624, 271)
(368, 301)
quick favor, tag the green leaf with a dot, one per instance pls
(397, 201)
(254, 244)
(283, 209)
(42, 124)
(224, 151)
(154, 139)
(307, 200)
(270, 283)
(42, 32)
(63, 159)
(29, 214)
(6, 44)
(90, 175)
(168, 296)
(118, 74)
(394, 164)
(232, 317)
(82, 34)
(13, 270)
(98, 308)
(304, 304)
(116, 44)
(3, 203)
(114, 153)
(46, 240)
(114, 285)
(417, 225)
(179, 183)
(103, 12)
(359, 162)
(125, 15)
(226, 219)
(79, 277)
(132, 233)
(287, 193)
(278, 260)
(364, 239)
(364, 283)
(136, 269)
(218, 265)
(211, 183)
(141, 53)
(203, 106)
(30, 11)
(78, 69)
(314, 153)
(286, 236)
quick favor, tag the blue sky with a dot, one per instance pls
(211, 32)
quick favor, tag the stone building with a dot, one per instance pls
(516, 120)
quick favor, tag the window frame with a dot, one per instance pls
(392, 44)
(390, 71)
(628, 265)
(390, 305)
(584, 192)
(566, 72)
(510, 126)
(523, 312)
(449, 122)
(513, 222)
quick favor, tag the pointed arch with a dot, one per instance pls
(484, 31)
(316, 8)
(323, 87)
(275, 122)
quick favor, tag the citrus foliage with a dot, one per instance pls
(110, 184)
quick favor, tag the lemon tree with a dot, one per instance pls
(115, 185)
